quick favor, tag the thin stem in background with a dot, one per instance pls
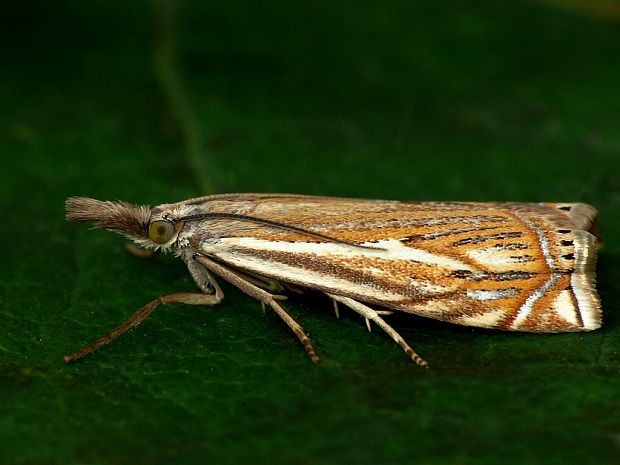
(175, 95)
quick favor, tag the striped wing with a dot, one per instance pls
(514, 266)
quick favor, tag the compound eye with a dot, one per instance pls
(161, 232)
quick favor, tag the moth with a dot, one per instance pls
(509, 266)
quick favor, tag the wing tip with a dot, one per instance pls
(583, 280)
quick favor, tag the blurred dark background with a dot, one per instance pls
(158, 101)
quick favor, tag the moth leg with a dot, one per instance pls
(378, 312)
(189, 298)
(267, 284)
(371, 314)
(336, 309)
(292, 288)
(139, 252)
(203, 279)
(262, 296)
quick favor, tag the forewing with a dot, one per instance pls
(526, 267)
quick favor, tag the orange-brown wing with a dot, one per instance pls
(514, 266)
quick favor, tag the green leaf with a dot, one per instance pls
(396, 99)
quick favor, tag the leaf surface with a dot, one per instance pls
(394, 100)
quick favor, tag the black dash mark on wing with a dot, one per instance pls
(440, 234)
(490, 237)
(483, 276)
(511, 246)
(441, 221)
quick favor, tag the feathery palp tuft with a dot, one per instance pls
(121, 217)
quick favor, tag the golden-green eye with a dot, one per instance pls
(161, 232)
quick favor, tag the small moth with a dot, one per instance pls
(510, 266)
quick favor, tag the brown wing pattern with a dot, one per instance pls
(514, 266)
